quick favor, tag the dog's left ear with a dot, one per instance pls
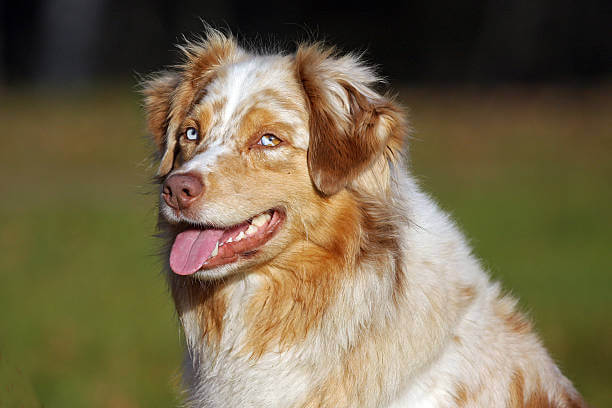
(157, 103)
(350, 124)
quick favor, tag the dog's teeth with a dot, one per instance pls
(260, 220)
(215, 251)
(251, 230)
(229, 240)
(240, 236)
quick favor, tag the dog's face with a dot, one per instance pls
(243, 144)
(255, 148)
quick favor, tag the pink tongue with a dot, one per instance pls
(191, 249)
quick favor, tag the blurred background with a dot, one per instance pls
(511, 102)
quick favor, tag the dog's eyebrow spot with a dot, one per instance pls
(203, 115)
(255, 120)
(274, 114)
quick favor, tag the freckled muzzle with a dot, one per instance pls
(195, 249)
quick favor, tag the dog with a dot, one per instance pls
(307, 266)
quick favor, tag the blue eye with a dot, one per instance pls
(191, 134)
(269, 140)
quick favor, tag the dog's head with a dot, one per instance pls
(254, 149)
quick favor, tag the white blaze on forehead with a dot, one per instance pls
(234, 86)
(241, 80)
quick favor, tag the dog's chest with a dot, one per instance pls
(225, 379)
(224, 375)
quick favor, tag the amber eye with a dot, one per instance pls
(191, 133)
(269, 140)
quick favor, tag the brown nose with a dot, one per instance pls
(181, 190)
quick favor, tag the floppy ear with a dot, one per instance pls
(169, 96)
(350, 124)
(157, 103)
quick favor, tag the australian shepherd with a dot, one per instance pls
(307, 266)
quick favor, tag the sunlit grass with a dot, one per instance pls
(85, 319)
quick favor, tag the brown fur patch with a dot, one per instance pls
(539, 399)
(465, 395)
(331, 394)
(516, 397)
(157, 92)
(378, 245)
(462, 298)
(467, 294)
(518, 323)
(380, 239)
(574, 401)
(505, 309)
(300, 284)
(205, 116)
(203, 57)
(461, 395)
(258, 121)
(218, 104)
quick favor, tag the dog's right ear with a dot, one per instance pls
(158, 92)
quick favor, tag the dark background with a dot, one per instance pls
(439, 41)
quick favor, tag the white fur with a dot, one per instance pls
(274, 380)
(204, 162)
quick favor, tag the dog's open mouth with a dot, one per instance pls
(196, 249)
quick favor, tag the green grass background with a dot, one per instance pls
(85, 318)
